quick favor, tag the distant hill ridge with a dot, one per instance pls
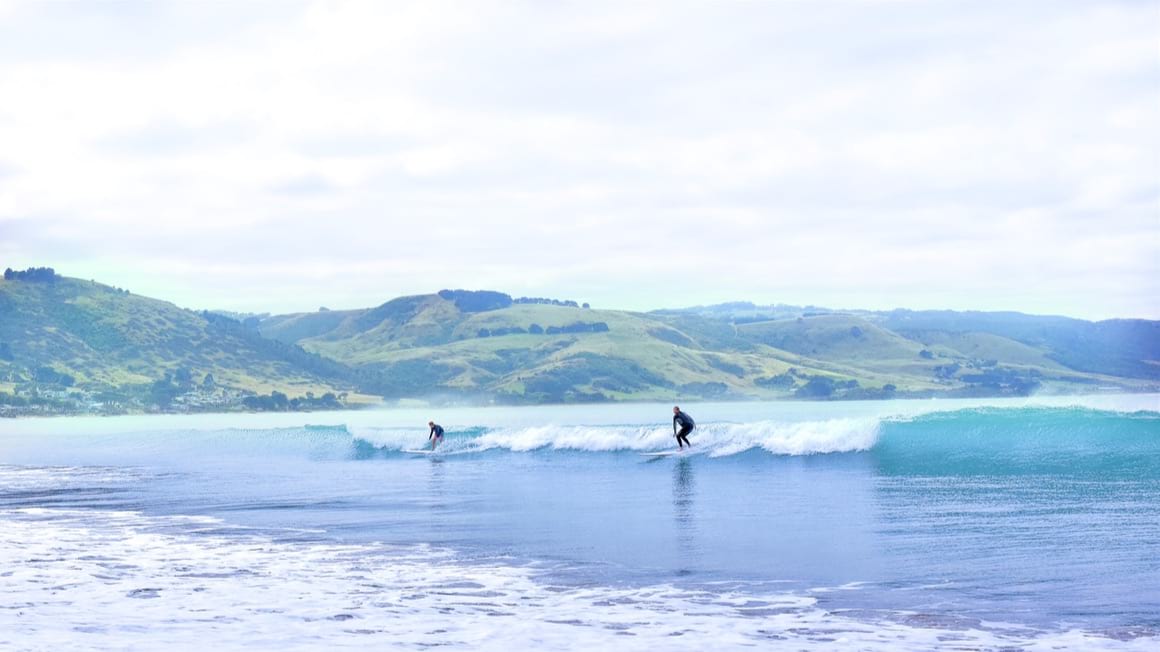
(485, 345)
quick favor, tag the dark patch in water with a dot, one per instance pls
(237, 573)
(941, 621)
(1130, 633)
(144, 594)
(578, 623)
(772, 611)
(458, 585)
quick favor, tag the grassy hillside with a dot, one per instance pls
(431, 344)
(537, 352)
(61, 333)
(1117, 347)
(81, 334)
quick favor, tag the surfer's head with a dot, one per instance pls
(430, 423)
(676, 408)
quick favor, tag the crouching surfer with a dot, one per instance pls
(436, 434)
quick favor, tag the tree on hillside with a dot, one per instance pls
(162, 392)
(36, 274)
(183, 376)
(280, 400)
(476, 301)
(817, 387)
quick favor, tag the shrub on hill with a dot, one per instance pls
(780, 381)
(816, 387)
(547, 302)
(578, 327)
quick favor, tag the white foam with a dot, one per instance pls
(103, 580)
(391, 439)
(717, 439)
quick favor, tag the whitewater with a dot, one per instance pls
(906, 525)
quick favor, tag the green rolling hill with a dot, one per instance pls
(68, 334)
(61, 335)
(484, 344)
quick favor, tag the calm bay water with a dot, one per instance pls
(888, 525)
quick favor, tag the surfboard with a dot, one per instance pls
(419, 451)
(663, 454)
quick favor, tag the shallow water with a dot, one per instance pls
(1026, 524)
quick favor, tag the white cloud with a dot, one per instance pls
(860, 154)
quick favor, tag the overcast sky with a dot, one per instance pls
(281, 156)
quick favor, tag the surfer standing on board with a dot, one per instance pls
(687, 425)
(436, 435)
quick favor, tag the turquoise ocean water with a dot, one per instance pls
(907, 525)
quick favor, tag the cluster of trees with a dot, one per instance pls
(484, 300)
(780, 381)
(477, 300)
(40, 274)
(163, 391)
(1005, 381)
(536, 329)
(247, 319)
(820, 387)
(751, 319)
(496, 332)
(578, 327)
(947, 371)
(279, 402)
(824, 387)
(551, 302)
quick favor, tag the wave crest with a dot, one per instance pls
(715, 439)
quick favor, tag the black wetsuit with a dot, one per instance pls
(436, 432)
(687, 425)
